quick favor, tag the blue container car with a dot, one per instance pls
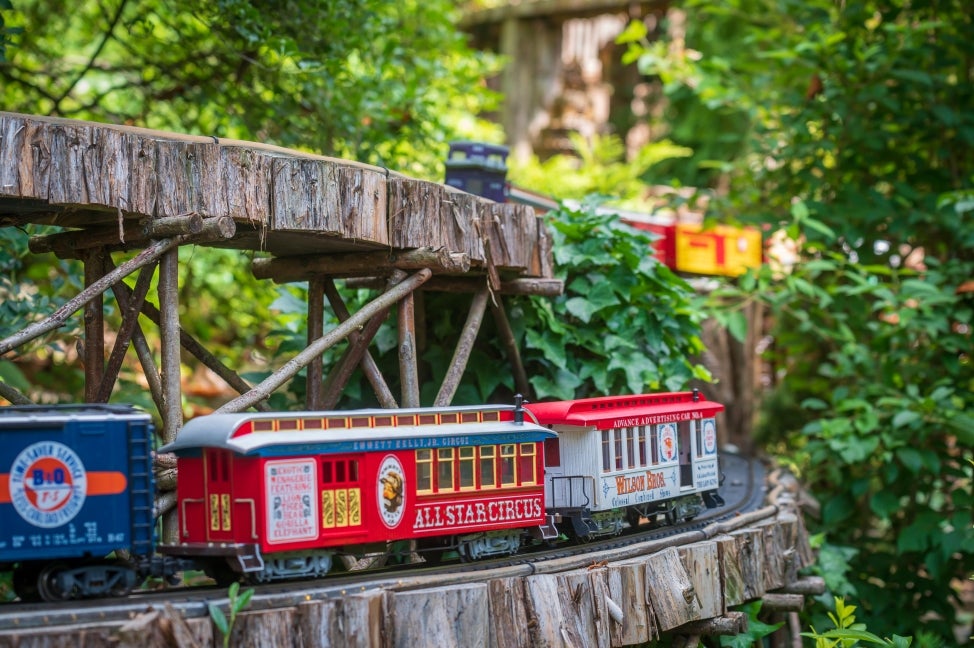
(478, 168)
(76, 497)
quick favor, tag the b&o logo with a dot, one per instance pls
(48, 484)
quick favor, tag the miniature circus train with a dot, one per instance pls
(269, 496)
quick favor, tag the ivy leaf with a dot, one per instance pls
(581, 308)
(562, 387)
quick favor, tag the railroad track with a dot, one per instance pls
(743, 491)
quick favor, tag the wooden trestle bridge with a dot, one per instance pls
(312, 218)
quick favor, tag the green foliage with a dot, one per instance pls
(697, 113)
(624, 324)
(881, 437)
(238, 601)
(858, 142)
(847, 633)
(364, 79)
(757, 630)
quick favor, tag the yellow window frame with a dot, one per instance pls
(467, 464)
(424, 471)
(445, 458)
(488, 466)
(508, 461)
(528, 451)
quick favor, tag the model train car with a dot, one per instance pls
(75, 486)
(278, 495)
(268, 496)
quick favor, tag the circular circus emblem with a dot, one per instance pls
(667, 441)
(709, 436)
(48, 484)
(391, 491)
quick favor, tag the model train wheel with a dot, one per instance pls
(25, 582)
(47, 583)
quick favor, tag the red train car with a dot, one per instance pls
(278, 495)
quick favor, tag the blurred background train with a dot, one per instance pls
(268, 496)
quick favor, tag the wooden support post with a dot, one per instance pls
(369, 367)
(316, 326)
(408, 357)
(326, 341)
(130, 320)
(169, 363)
(58, 317)
(94, 318)
(168, 288)
(464, 347)
(506, 334)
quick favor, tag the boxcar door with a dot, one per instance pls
(218, 494)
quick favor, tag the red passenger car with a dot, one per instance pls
(277, 495)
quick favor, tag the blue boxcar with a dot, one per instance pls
(76, 485)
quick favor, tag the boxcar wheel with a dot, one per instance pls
(47, 583)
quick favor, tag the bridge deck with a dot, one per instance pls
(80, 174)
